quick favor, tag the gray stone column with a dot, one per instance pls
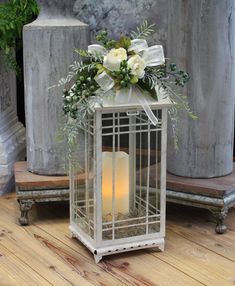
(12, 132)
(49, 44)
(201, 39)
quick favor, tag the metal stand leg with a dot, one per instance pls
(25, 206)
(220, 216)
(97, 257)
(73, 235)
(161, 246)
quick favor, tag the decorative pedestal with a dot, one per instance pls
(12, 132)
(215, 194)
(32, 188)
(49, 43)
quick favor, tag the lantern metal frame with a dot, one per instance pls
(86, 221)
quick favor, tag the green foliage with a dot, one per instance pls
(124, 42)
(102, 37)
(88, 56)
(84, 87)
(168, 79)
(143, 31)
(13, 16)
(123, 77)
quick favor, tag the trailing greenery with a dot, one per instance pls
(14, 14)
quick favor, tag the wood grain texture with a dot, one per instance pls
(14, 272)
(126, 271)
(26, 179)
(214, 187)
(198, 226)
(128, 267)
(192, 256)
(27, 246)
(208, 267)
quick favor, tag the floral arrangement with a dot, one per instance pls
(117, 65)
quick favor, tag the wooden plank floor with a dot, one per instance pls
(44, 254)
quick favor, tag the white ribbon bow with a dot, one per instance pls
(152, 56)
(138, 45)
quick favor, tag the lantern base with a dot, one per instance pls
(118, 247)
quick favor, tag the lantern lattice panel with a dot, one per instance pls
(118, 191)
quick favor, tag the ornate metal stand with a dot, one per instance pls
(219, 217)
(215, 194)
(31, 188)
(25, 206)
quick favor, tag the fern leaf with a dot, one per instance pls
(75, 66)
(143, 31)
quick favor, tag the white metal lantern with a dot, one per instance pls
(117, 202)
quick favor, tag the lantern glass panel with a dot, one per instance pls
(82, 196)
(131, 168)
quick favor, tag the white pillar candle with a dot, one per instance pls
(121, 185)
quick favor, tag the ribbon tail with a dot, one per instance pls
(149, 113)
(129, 93)
(117, 96)
(104, 81)
(146, 107)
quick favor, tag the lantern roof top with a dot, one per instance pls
(125, 99)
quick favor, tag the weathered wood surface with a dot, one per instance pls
(201, 40)
(196, 226)
(25, 179)
(194, 255)
(215, 187)
(218, 187)
(49, 44)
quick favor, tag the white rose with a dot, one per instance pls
(114, 58)
(137, 66)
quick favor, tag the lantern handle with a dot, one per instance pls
(132, 113)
